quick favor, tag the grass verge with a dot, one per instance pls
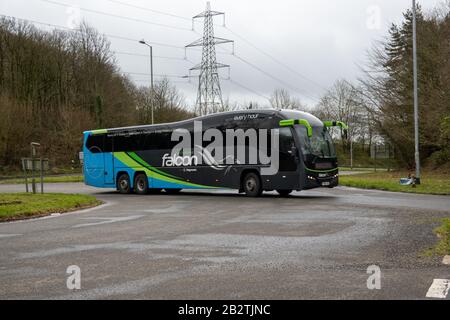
(15, 206)
(442, 248)
(51, 179)
(356, 169)
(432, 183)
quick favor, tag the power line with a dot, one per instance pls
(148, 81)
(156, 75)
(276, 60)
(235, 34)
(117, 16)
(275, 78)
(149, 10)
(146, 55)
(248, 89)
(64, 28)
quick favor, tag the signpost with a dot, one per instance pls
(32, 164)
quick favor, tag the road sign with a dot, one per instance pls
(27, 164)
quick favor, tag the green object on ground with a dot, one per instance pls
(443, 232)
(432, 183)
(14, 206)
(442, 248)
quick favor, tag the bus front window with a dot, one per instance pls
(319, 144)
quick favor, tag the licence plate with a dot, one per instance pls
(326, 184)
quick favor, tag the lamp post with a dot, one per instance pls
(151, 76)
(416, 95)
(33, 146)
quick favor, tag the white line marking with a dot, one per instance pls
(106, 220)
(2, 236)
(439, 289)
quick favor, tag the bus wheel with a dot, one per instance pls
(123, 184)
(284, 193)
(252, 185)
(172, 191)
(141, 184)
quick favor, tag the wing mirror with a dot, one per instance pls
(340, 124)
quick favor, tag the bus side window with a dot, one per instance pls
(108, 144)
(286, 140)
(95, 143)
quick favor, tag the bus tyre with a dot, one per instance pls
(172, 191)
(252, 185)
(123, 184)
(284, 193)
(141, 184)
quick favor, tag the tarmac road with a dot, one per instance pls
(220, 245)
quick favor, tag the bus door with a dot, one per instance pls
(288, 152)
(108, 161)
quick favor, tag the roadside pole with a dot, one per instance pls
(33, 180)
(416, 96)
(41, 164)
(25, 169)
(33, 165)
(351, 154)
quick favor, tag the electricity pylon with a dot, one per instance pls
(209, 97)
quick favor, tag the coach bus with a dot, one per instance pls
(250, 151)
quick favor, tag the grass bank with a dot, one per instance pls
(432, 182)
(50, 179)
(442, 248)
(443, 232)
(23, 205)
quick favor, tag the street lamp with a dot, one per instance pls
(416, 95)
(151, 76)
(33, 146)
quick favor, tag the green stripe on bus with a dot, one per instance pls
(102, 131)
(141, 161)
(130, 162)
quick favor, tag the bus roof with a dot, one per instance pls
(283, 114)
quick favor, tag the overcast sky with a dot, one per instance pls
(317, 41)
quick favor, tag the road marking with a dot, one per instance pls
(446, 260)
(2, 236)
(106, 220)
(439, 289)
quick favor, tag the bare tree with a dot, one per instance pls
(343, 102)
(168, 103)
(281, 99)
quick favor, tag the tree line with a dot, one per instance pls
(379, 107)
(55, 85)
